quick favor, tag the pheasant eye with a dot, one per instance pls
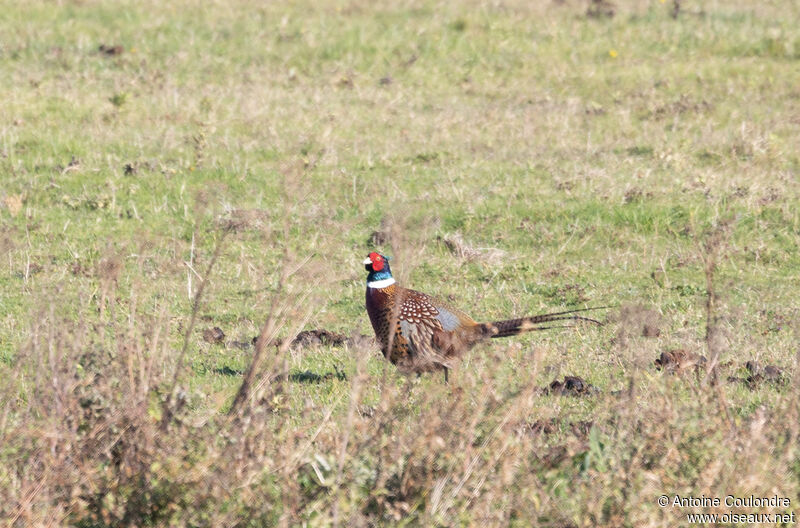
(377, 264)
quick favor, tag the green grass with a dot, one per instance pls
(596, 154)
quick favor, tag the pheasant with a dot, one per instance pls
(419, 333)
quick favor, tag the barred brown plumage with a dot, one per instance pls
(419, 333)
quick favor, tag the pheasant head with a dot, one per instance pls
(380, 275)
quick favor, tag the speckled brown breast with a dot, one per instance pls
(409, 327)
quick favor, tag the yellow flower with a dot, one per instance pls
(613, 53)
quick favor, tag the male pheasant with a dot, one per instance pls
(419, 333)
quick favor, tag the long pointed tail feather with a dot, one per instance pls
(521, 325)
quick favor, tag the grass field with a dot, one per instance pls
(171, 167)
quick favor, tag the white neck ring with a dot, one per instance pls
(381, 283)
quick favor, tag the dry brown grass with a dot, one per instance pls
(108, 438)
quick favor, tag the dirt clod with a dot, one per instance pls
(650, 330)
(318, 337)
(579, 428)
(771, 372)
(379, 238)
(109, 268)
(756, 375)
(213, 335)
(542, 427)
(572, 386)
(110, 51)
(78, 269)
(312, 377)
(601, 9)
(679, 360)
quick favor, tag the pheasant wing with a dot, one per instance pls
(421, 323)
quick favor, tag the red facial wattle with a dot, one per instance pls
(377, 261)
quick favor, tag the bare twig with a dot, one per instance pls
(190, 264)
(167, 414)
(355, 400)
(710, 254)
(266, 336)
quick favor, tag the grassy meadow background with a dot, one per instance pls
(171, 167)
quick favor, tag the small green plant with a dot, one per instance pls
(118, 99)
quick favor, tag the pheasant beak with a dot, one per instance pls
(367, 261)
